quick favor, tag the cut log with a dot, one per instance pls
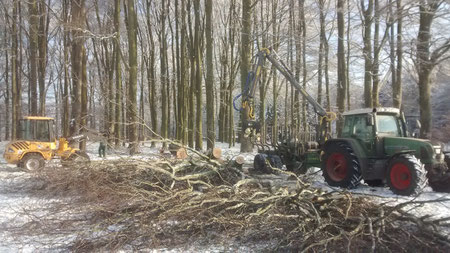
(215, 153)
(240, 160)
(181, 153)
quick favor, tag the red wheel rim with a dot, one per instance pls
(337, 167)
(400, 176)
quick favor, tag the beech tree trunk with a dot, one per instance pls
(210, 118)
(246, 145)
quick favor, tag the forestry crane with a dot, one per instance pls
(373, 145)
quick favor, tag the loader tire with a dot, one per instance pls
(32, 162)
(406, 175)
(340, 166)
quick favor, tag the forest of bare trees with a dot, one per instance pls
(138, 69)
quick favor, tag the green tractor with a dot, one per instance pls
(374, 144)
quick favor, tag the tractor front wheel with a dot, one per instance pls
(32, 162)
(340, 166)
(406, 175)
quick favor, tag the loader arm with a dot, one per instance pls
(253, 79)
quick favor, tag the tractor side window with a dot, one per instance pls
(42, 131)
(26, 130)
(347, 130)
(388, 125)
(361, 130)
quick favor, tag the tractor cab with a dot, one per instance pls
(40, 129)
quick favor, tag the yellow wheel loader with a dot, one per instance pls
(37, 143)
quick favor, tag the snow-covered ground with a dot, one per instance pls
(16, 197)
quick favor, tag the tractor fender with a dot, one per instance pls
(30, 153)
(356, 147)
(47, 156)
(397, 154)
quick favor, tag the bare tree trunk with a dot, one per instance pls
(210, 117)
(84, 98)
(42, 44)
(367, 52)
(397, 89)
(66, 115)
(15, 71)
(132, 81)
(341, 85)
(164, 77)
(78, 21)
(7, 88)
(246, 145)
(376, 56)
(198, 78)
(425, 63)
(275, 89)
(33, 47)
(118, 70)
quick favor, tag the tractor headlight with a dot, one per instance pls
(10, 150)
(19, 151)
(437, 151)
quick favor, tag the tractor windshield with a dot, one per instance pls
(388, 125)
(35, 130)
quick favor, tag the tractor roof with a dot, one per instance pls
(370, 110)
(37, 118)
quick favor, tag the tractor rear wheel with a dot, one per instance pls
(32, 162)
(406, 175)
(340, 166)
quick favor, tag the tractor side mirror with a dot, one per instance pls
(370, 120)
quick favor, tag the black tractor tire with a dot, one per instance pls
(340, 166)
(32, 162)
(260, 164)
(374, 182)
(263, 163)
(406, 175)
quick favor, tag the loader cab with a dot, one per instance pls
(37, 129)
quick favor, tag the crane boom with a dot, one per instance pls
(252, 81)
(287, 73)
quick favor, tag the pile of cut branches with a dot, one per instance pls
(138, 204)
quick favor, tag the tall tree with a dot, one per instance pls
(132, 80)
(198, 77)
(42, 44)
(118, 71)
(15, 71)
(163, 73)
(397, 89)
(65, 41)
(33, 48)
(210, 118)
(246, 46)
(367, 51)
(426, 60)
(78, 22)
(7, 89)
(341, 85)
